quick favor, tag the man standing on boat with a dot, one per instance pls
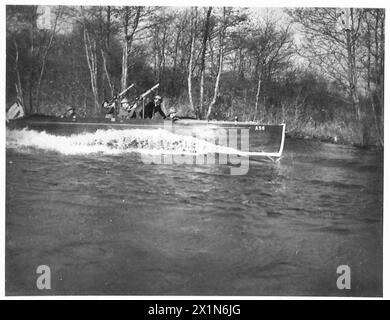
(112, 107)
(109, 107)
(152, 107)
(124, 109)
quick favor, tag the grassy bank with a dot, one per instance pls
(359, 134)
(329, 132)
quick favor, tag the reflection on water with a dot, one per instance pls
(110, 224)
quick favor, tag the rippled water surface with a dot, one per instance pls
(107, 223)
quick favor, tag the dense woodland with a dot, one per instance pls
(320, 70)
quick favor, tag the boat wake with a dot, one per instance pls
(111, 142)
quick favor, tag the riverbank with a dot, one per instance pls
(355, 135)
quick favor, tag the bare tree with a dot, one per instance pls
(190, 64)
(351, 38)
(180, 26)
(90, 52)
(222, 35)
(162, 36)
(130, 19)
(372, 59)
(32, 57)
(331, 41)
(45, 54)
(259, 79)
(18, 84)
(106, 72)
(106, 23)
(202, 62)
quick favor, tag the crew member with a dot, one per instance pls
(125, 108)
(172, 114)
(109, 107)
(152, 107)
(70, 113)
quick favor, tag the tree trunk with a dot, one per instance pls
(368, 89)
(44, 58)
(368, 44)
(106, 52)
(189, 80)
(128, 43)
(202, 62)
(18, 85)
(107, 73)
(220, 66)
(108, 27)
(32, 58)
(90, 51)
(377, 94)
(216, 88)
(125, 52)
(257, 95)
(352, 63)
(163, 58)
(377, 127)
(173, 76)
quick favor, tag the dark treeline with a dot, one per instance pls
(320, 70)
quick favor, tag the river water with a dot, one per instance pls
(106, 222)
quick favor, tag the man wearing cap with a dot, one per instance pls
(172, 114)
(152, 107)
(124, 109)
(109, 107)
